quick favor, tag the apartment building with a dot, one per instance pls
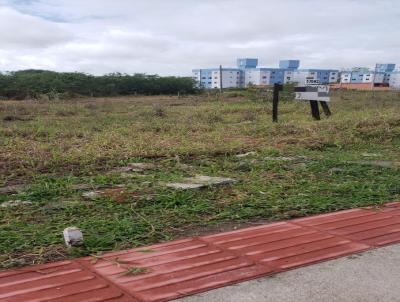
(248, 73)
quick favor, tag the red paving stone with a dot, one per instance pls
(184, 267)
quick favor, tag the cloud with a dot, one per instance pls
(174, 36)
(24, 31)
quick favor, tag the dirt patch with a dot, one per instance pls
(44, 255)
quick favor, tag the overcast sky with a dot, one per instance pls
(171, 37)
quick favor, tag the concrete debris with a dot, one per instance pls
(209, 180)
(15, 203)
(201, 181)
(11, 189)
(73, 236)
(183, 186)
(252, 153)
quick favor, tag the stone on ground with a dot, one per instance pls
(15, 203)
(210, 180)
(183, 186)
(201, 181)
(73, 236)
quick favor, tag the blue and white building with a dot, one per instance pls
(210, 78)
(394, 81)
(248, 73)
(380, 75)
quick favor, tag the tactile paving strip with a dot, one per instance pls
(175, 269)
(65, 281)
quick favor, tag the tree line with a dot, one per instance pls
(37, 83)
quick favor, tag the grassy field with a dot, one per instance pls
(59, 150)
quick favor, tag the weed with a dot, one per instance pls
(133, 271)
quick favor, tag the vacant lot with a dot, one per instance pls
(57, 151)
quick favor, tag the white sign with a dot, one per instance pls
(312, 82)
(313, 92)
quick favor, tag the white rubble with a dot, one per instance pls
(73, 236)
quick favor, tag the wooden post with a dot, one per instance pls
(326, 109)
(275, 102)
(315, 110)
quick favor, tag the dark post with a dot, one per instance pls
(275, 101)
(315, 110)
(326, 109)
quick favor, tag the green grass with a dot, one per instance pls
(52, 146)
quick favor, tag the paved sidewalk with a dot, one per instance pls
(372, 276)
(176, 269)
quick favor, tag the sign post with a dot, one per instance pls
(275, 102)
(316, 93)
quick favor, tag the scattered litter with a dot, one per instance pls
(15, 203)
(252, 153)
(11, 189)
(73, 236)
(201, 181)
(377, 163)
